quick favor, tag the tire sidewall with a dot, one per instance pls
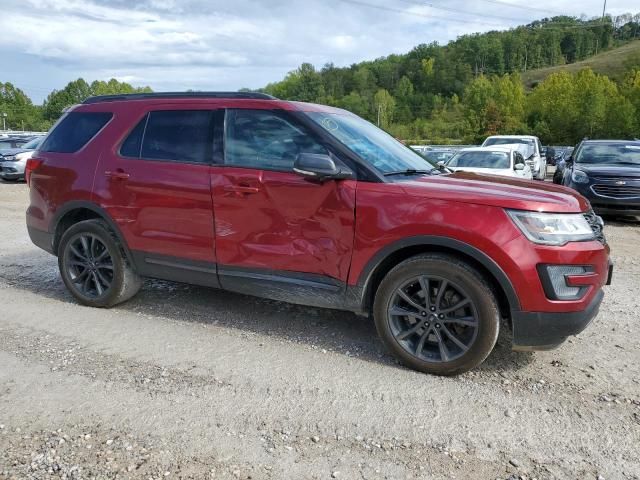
(473, 285)
(97, 228)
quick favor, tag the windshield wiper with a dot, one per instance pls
(409, 171)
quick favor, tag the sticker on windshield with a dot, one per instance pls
(329, 124)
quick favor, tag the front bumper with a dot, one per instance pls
(547, 330)
(11, 170)
(608, 205)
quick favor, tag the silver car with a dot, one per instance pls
(13, 161)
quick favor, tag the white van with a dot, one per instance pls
(532, 151)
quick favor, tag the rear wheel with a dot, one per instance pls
(437, 314)
(93, 266)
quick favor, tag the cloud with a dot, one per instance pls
(217, 44)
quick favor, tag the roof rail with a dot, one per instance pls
(142, 96)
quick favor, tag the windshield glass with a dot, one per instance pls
(508, 141)
(480, 160)
(611, 154)
(370, 143)
(33, 144)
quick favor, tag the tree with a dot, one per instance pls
(384, 105)
(78, 90)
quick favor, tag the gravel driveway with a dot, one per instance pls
(189, 382)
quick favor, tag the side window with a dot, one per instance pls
(179, 135)
(264, 139)
(133, 143)
(519, 158)
(74, 131)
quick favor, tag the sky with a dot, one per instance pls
(173, 45)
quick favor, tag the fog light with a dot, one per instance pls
(566, 282)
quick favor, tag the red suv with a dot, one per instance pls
(312, 205)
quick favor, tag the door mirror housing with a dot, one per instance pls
(518, 166)
(320, 168)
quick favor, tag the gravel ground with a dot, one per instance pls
(188, 382)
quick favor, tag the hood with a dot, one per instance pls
(506, 192)
(609, 170)
(12, 151)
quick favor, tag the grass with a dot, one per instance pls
(612, 63)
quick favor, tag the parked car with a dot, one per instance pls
(10, 143)
(436, 155)
(14, 161)
(534, 157)
(313, 205)
(560, 163)
(503, 160)
(607, 172)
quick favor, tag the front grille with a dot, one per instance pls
(617, 191)
(597, 225)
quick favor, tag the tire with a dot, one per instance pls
(94, 267)
(439, 354)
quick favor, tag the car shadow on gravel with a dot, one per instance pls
(321, 329)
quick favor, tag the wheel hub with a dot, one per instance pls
(433, 319)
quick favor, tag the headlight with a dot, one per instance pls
(578, 176)
(9, 158)
(552, 228)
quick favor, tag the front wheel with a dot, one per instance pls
(437, 314)
(93, 266)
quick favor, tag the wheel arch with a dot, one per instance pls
(390, 256)
(78, 211)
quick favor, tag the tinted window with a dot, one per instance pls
(265, 140)
(131, 146)
(74, 131)
(182, 135)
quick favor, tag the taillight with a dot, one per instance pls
(32, 165)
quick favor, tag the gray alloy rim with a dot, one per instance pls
(433, 319)
(89, 265)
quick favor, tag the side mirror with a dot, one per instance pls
(518, 166)
(319, 168)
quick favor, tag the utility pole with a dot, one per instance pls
(4, 120)
(604, 9)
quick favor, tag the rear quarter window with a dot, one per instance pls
(74, 131)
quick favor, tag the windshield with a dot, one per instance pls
(480, 160)
(33, 144)
(370, 143)
(439, 156)
(508, 141)
(611, 154)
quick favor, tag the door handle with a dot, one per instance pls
(244, 189)
(117, 175)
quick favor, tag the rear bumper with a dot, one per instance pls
(41, 239)
(546, 330)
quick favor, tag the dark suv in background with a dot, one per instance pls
(607, 172)
(312, 205)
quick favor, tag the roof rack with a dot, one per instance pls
(142, 96)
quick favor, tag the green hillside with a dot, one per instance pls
(612, 63)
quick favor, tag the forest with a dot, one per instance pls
(454, 93)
